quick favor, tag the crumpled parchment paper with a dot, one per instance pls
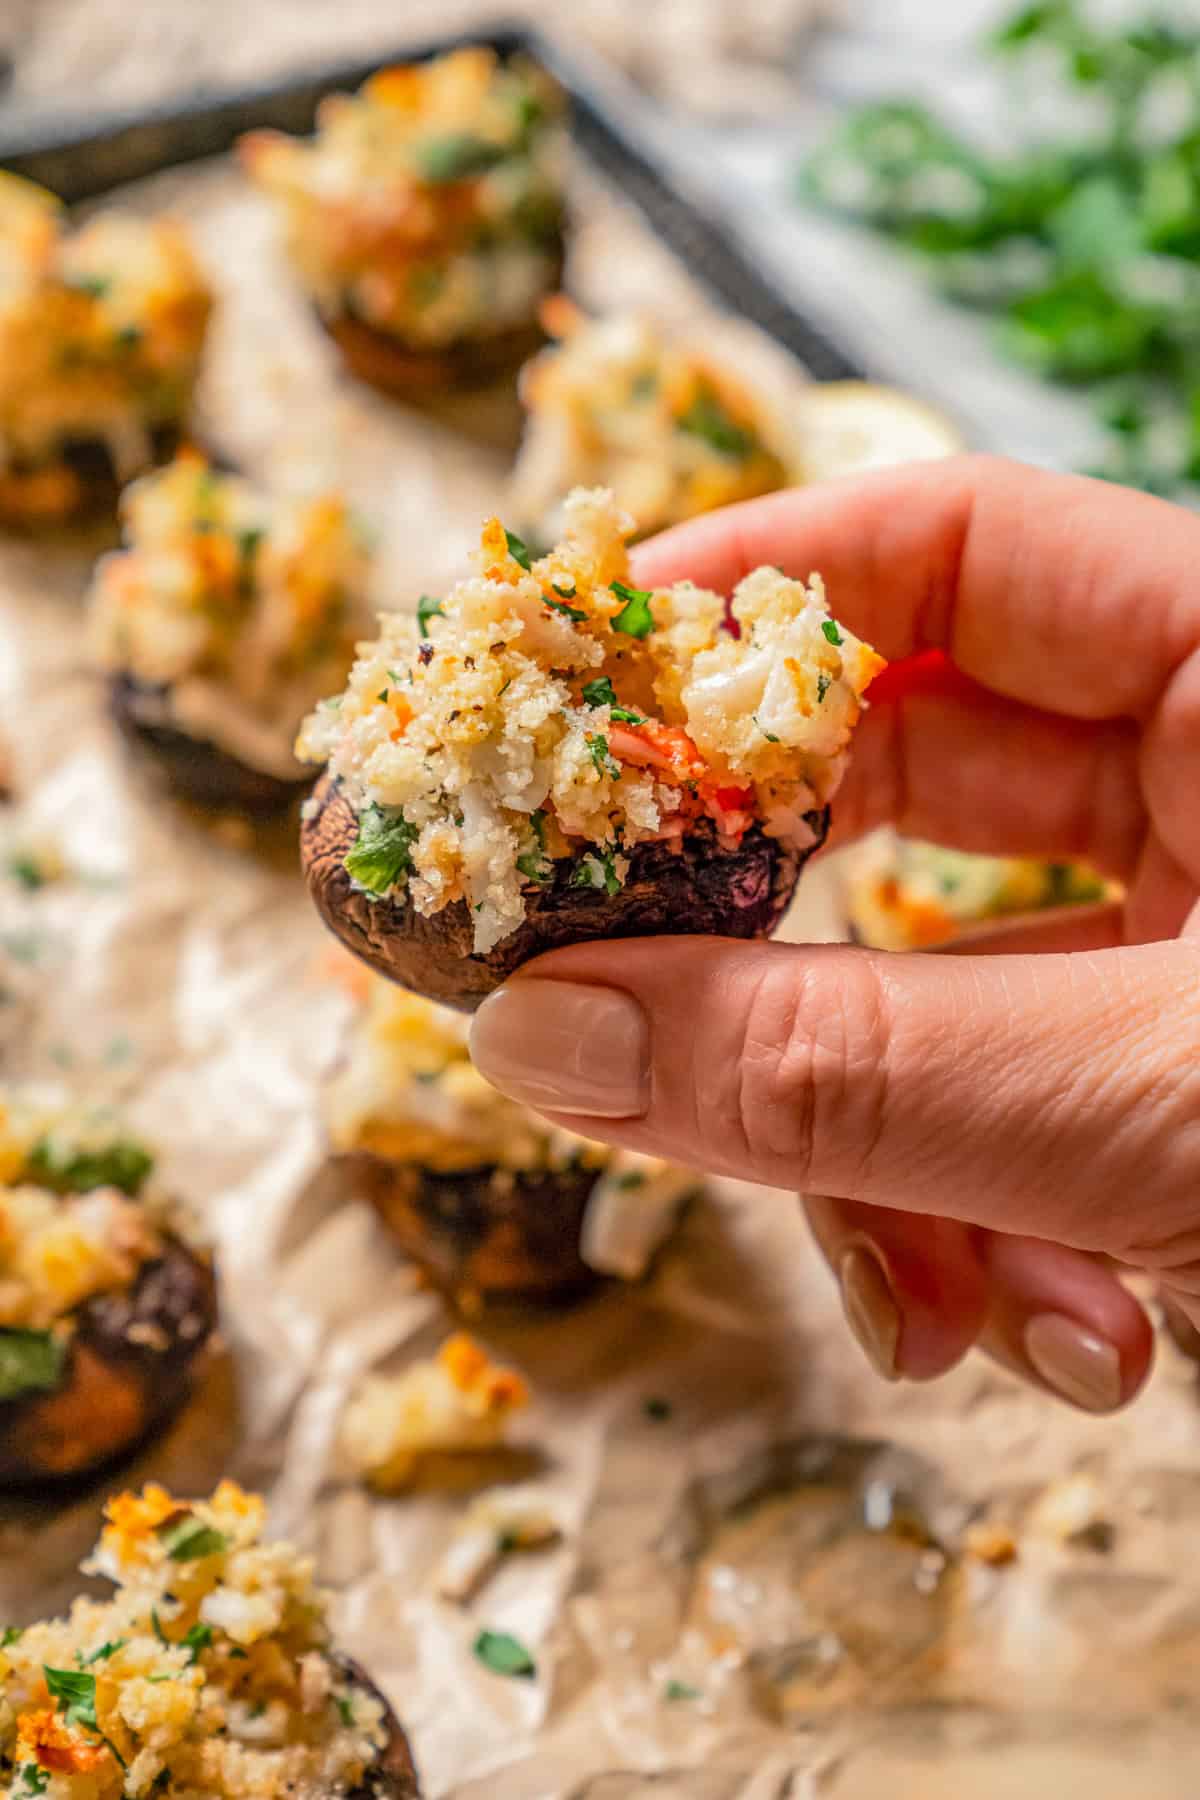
(762, 1587)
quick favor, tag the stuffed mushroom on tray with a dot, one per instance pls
(673, 427)
(106, 1308)
(903, 894)
(209, 1671)
(425, 217)
(490, 1201)
(221, 622)
(548, 754)
(101, 333)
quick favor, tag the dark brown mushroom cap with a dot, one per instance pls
(129, 1367)
(394, 1775)
(702, 887)
(94, 478)
(198, 771)
(509, 1235)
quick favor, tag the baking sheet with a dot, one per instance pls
(786, 1545)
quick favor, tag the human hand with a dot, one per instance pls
(989, 1130)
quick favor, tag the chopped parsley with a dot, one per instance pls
(708, 418)
(249, 540)
(457, 156)
(428, 607)
(381, 858)
(606, 763)
(560, 606)
(198, 1638)
(597, 871)
(76, 1169)
(632, 1178)
(75, 1692)
(25, 868)
(600, 693)
(31, 1362)
(102, 1654)
(656, 1408)
(680, 1690)
(518, 549)
(191, 1540)
(382, 696)
(564, 593)
(36, 1780)
(94, 285)
(345, 1708)
(824, 683)
(504, 1655)
(12, 1634)
(635, 618)
(830, 631)
(769, 735)
(535, 865)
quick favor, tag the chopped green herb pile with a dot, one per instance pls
(381, 857)
(1087, 248)
(504, 1655)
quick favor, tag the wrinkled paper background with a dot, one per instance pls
(786, 1544)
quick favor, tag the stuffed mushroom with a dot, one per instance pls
(425, 217)
(209, 1671)
(902, 894)
(101, 333)
(106, 1306)
(549, 754)
(221, 622)
(489, 1200)
(671, 427)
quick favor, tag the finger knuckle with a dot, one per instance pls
(812, 1097)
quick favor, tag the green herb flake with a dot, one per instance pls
(560, 606)
(12, 1634)
(76, 1693)
(518, 549)
(603, 758)
(824, 683)
(457, 156)
(198, 1638)
(632, 1178)
(31, 1362)
(708, 419)
(382, 696)
(563, 592)
(103, 1653)
(769, 735)
(656, 1408)
(95, 286)
(600, 693)
(597, 871)
(71, 1168)
(428, 607)
(680, 1690)
(635, 618)
(36, 1780)
(345, 1709)
(191, 1540)
(25, 868)
(830, 632)
(381, 858)
(504, 1655)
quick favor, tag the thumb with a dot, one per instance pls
(1053, 1095)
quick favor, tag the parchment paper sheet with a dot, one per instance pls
(738, 1547)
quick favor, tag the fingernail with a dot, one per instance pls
(1078, 1365)
(870, 1308)
(562, 1046)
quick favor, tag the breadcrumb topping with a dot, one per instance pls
(458, 1401)
(617, 403)
(208, 1673)
(429, 204)
(548, 709)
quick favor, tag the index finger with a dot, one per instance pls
(1067, 594)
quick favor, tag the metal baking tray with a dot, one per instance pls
(81, 157)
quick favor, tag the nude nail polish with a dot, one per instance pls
(870, 1308)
